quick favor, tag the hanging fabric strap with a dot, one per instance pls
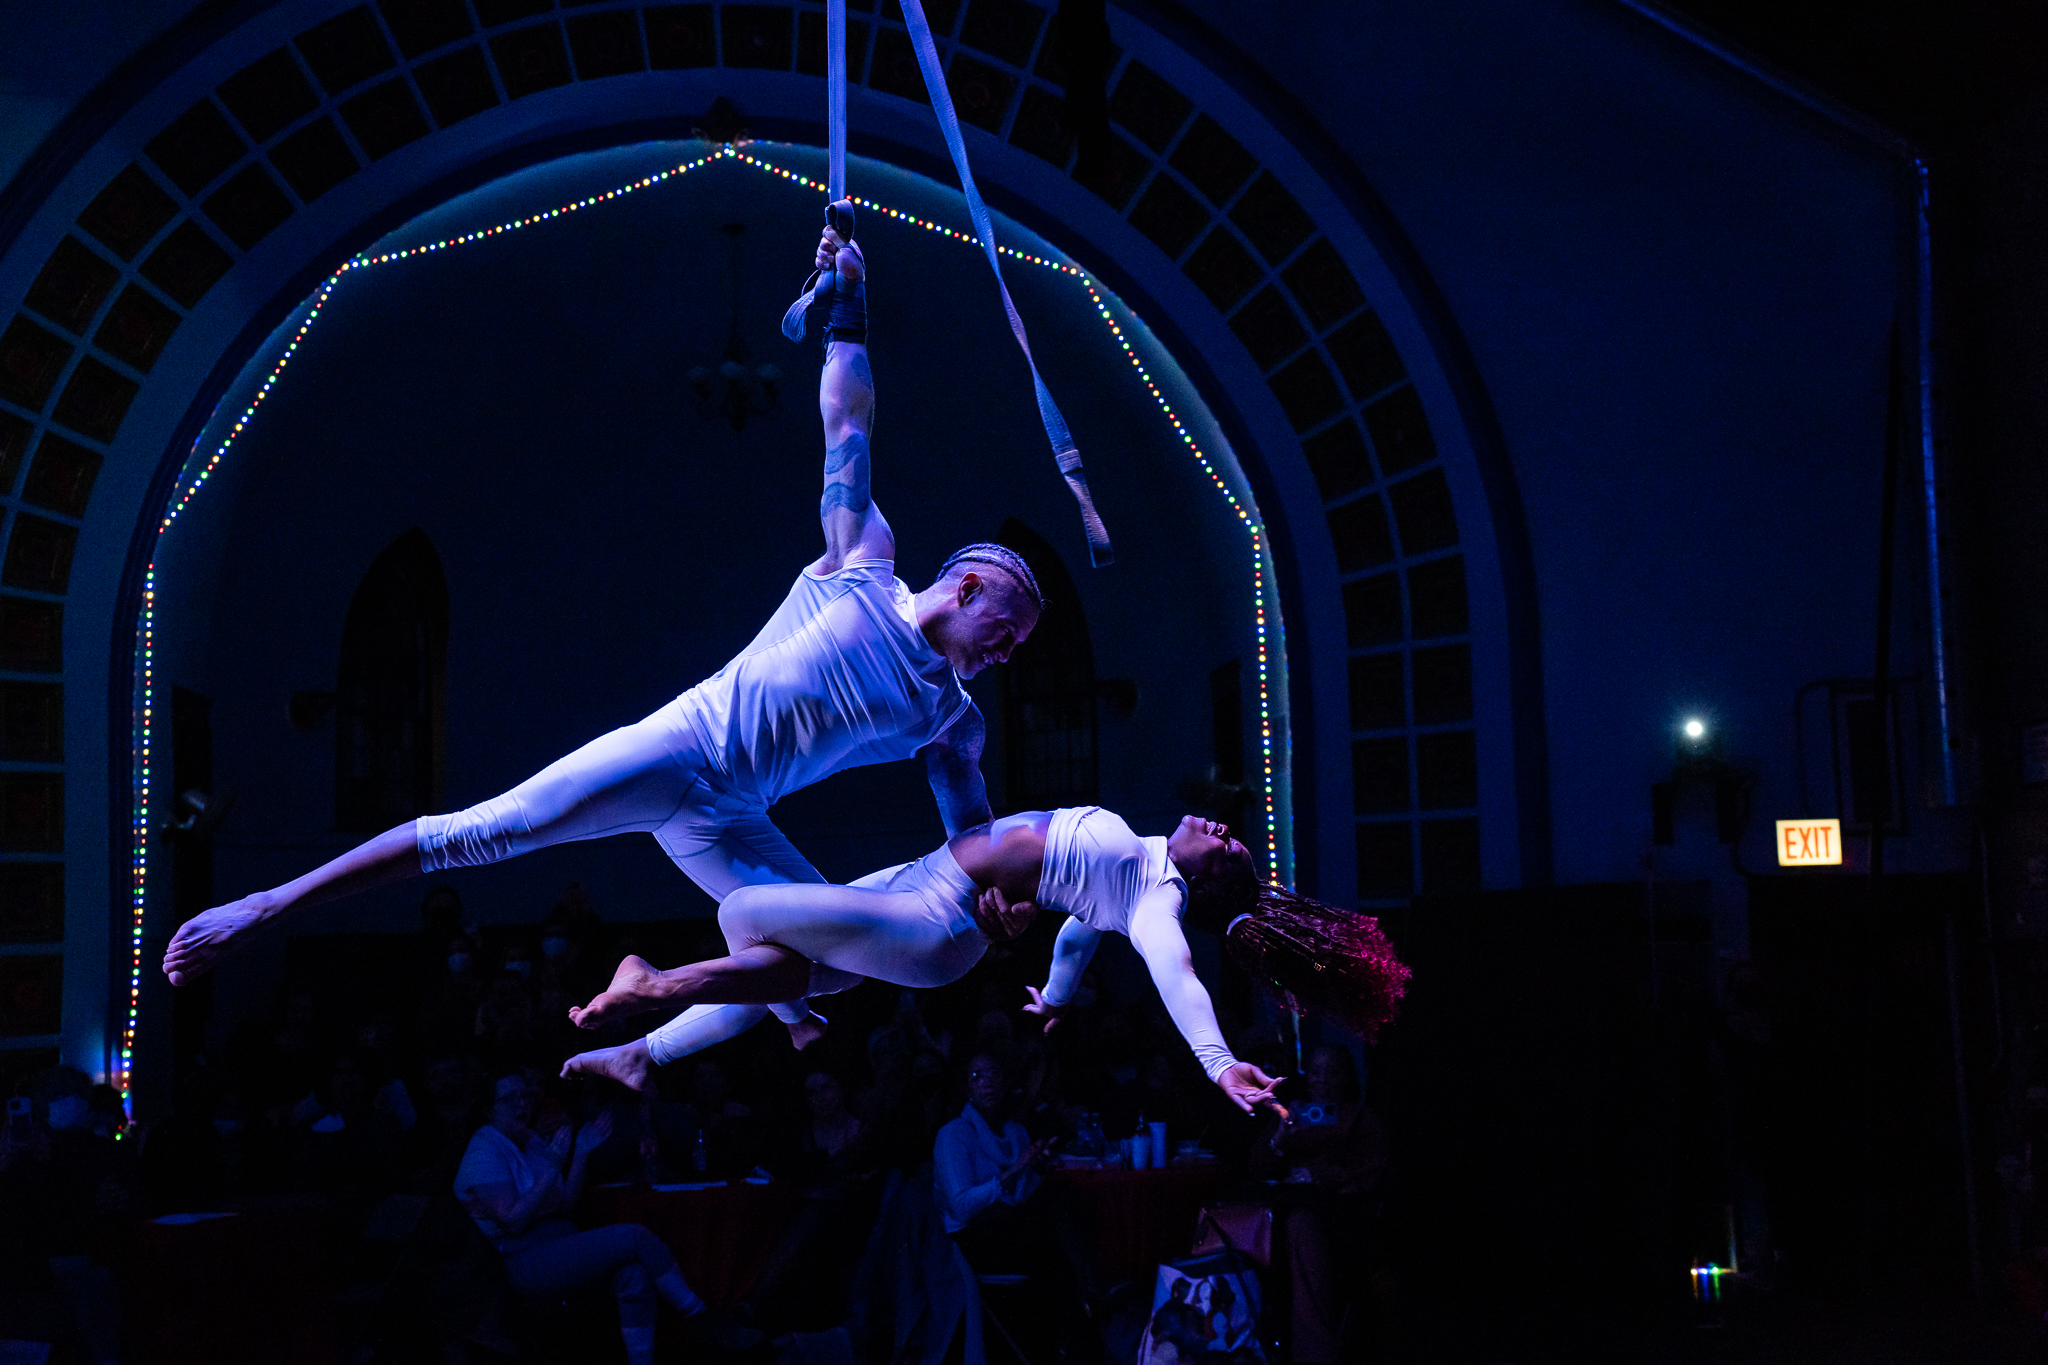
(835, 96)
(839, 214)
(822, 282)
(1063, 451)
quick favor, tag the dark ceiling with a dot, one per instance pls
(1937, 71)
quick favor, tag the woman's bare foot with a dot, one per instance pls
(807, 1030)
(201, 940)
(628, 1064)
(636, 986)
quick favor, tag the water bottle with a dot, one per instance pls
(700, 1154)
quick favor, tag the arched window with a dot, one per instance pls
(388, 723)
(1048, 691)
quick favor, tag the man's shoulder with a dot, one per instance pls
(823, 570)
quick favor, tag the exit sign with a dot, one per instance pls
(1809, 843)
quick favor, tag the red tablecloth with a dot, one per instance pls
(1140, 1218)
(721, 1237)
(250, 1287)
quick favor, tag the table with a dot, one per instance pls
(721, 1237)
(239, 1288)
(1140, 1218)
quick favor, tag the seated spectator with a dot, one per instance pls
(506, 1026)
(347, 1134)
(996, 1206)
(107, 1117)
(446, 1118)
(1331, 1153)
(440, 921)
(916, 1029)
(299, 1051)
(564, 977)
(516, 1189)
(62, 1187)
(711, 1121)
(447, 1013)
(837, 1169)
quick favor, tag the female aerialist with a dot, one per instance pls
(925, 923)
(852, 669)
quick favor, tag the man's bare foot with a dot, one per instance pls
(203, 939)
(636, 986)
(807, 1030)
(628, 1064)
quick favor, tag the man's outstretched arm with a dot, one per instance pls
(854, 528)
(953, 763)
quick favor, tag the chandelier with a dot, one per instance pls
(735, 389)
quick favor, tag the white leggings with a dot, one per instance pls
(910, 925)
(650, 776)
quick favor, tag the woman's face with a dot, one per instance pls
(823, 1094)
(987, 1086)
(1204, 848)
(512, 1103)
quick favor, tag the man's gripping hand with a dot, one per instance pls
(837, 253)
(1000, 917)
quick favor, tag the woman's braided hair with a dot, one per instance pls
(1001, 557)
(1311, 956)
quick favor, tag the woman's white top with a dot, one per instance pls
(839, 677)
(1107, 879)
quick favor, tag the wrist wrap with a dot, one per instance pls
(847, 319)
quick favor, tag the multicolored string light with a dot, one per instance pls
(1260, 555)
(190, 483)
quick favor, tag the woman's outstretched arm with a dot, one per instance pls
(1071, 953)
(1156, 934)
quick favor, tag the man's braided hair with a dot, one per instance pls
(1001, 557)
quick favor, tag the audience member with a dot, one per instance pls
(448, 1001)
(506, 1027)
(62, 1189)
(513, 1182)
(996, 1206)
(712, 1122)
(836, 1166)
(1330, 1151)
(347, 1133)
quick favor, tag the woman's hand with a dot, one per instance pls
(1043, 1007)
(591, 1135)
(1250, 1088)
(1031, 1157)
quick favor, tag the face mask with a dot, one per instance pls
(227, 1127)
(555, 947)
(523, 968)
(458, 963)
(67, 1113)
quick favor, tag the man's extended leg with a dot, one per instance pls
(633, 778)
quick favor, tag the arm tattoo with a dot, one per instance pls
(854, 447)
(861, 372)
(953, 764)
(853, 496)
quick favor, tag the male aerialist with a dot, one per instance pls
(852, 669)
